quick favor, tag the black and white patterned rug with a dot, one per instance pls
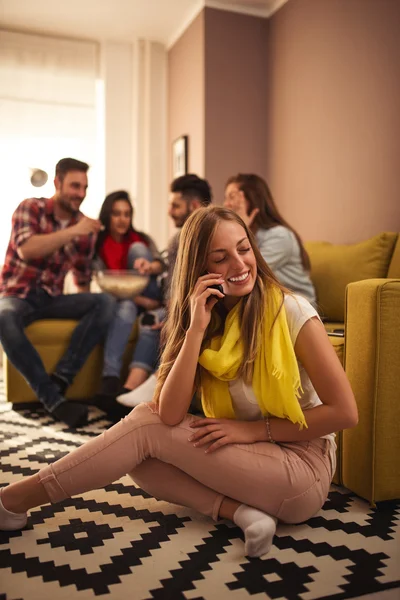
(121, 543)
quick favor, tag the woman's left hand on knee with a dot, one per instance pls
(217, 433)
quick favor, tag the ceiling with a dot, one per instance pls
(118, 20)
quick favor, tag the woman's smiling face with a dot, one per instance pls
(231, 255)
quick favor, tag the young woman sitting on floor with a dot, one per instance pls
(272, 388)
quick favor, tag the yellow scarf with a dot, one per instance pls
(276, 378)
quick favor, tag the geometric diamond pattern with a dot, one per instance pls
(121, 543)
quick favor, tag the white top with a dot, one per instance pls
(281, 251)
(245, 405)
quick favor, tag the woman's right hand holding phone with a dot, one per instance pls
(179, 386)
(203, 300)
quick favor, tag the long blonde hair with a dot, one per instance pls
(194, 245)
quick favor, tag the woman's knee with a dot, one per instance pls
(145, 412)
(139, 250)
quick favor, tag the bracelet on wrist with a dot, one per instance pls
(267, 425)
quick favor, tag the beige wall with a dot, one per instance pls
(235, 96)
(334, 118)
(217, 95)
(186, 93)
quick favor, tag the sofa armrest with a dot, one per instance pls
(371, 451)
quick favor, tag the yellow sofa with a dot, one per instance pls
(358, 289)
(51, 338)
(369, 312)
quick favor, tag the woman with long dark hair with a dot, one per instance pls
(280, 245)
(119, 247)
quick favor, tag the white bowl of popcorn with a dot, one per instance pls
(122, 284)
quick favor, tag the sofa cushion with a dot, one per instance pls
(334, 266)
(51, 337)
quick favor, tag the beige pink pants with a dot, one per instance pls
(289, 481)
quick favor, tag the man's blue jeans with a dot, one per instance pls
(147, 350)
(125, 315)
(94, 312)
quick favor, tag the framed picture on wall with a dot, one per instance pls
(180, 156)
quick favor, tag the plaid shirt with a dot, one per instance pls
(36, 216)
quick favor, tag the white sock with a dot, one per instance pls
(10, 521)
(258, 528)
(141, 394)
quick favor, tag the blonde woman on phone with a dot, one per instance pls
(272, 389)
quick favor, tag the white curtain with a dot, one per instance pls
(150, 150)
(135, 117)
(48, 110)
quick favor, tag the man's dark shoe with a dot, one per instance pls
(72, 414)
(60, 382)
(114, 411)
(110, 386)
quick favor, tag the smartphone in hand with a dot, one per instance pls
(216, 286)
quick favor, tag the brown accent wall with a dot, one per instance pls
(186, 94)
(333, 116)
(235, 96)
(217, 94)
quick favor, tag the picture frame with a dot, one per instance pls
(180, 156)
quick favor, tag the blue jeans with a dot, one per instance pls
(125, 315)
(94, 312)
(147, 350)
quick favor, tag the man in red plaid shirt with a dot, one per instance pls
(50, 237)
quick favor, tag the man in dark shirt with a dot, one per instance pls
(50, 237)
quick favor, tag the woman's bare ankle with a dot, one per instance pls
(8, 501)
(228, 508)
(23, 495)
(136, 377)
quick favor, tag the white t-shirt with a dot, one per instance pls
(245, 405)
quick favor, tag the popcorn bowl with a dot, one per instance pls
(122, 284)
